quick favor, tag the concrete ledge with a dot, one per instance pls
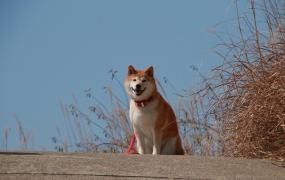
(81, 166)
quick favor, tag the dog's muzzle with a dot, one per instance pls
(138, 91)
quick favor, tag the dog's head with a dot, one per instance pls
(140, 84)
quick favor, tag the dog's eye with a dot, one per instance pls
(134, 80)
(144, 80)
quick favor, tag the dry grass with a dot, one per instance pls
(101, 128)
(200, 135)
(256, 123)
(249, 88)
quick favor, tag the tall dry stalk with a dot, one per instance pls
(23, 135)
(6, 132)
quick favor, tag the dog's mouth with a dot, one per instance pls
(138, 92)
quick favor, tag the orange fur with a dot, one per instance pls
(155, 123)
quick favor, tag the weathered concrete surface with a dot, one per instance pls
(83, 166)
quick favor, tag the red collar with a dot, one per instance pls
(143, 103)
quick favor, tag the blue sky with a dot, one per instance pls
(53, 50)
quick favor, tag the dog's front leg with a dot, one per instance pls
(140, 141)
(156, 136)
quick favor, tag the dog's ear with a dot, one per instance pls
(149, 71)
(131, 70)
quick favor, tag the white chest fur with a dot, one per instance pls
(143, 118)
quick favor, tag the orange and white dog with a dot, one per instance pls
(153, 119)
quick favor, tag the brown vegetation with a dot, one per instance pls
(249, 87)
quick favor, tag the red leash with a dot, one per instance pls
(131, 149)
(131, 146)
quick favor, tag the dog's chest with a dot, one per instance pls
(143, 118)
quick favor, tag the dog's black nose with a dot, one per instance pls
(138, 86)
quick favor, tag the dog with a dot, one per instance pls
(152, 118)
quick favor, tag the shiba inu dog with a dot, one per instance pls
(153, 119)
